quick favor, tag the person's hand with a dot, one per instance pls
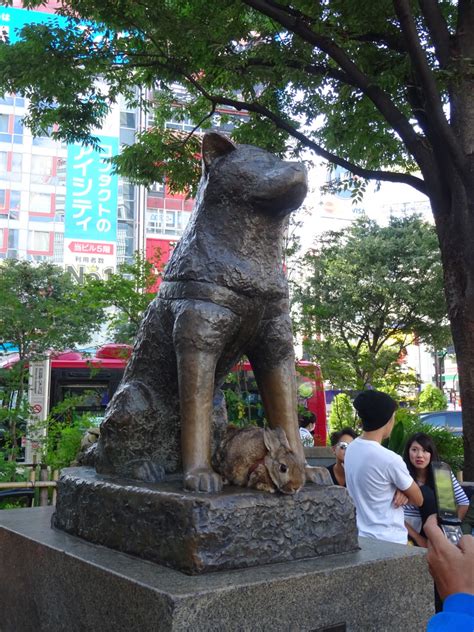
(452, 567)
(399, 499)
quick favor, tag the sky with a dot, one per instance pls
(323, 211)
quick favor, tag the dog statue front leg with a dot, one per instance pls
(278, 389)
(196, 371)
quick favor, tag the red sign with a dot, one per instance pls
(37, 408)
(92, 248)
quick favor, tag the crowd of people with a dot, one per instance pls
(394, 498)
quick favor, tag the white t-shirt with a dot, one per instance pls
(373, 474)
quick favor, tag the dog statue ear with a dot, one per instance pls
(214, 146)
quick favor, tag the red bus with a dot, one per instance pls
(311, 395)
(95, 378)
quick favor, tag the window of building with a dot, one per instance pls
(13, 241)
(5, 135)
(126, 200)
(39, 241)
(42, 170)
(58, 248)
(184, 125)
(157, 189)
(166, 222)
(46, 140)
(10, 166)
(125, 242)
(128, 125)
(40, 202)
(10, 203)
(59, 208)
(61, 171)
(15, 199)
(11, 129)
(128, 119)
(12, 99)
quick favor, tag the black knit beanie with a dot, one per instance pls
(374, 409)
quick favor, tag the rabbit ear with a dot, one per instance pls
(282, 437)
(274, 439)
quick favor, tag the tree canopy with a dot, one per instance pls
(356, 83)
(368, 291)
(128, 291)
(384, 90)
(43, 309)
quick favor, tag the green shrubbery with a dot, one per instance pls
(342, 414)
(432, 398)
(408, 422)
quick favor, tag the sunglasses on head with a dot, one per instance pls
(342, 444)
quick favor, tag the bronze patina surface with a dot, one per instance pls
(224, 294)
(197, 533)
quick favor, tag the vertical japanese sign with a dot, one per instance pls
(90, 231)
(38, 399)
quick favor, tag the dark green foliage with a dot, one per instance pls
(342, 414)
(41, 310)
(239, 57)
(368, 292)
(244, 406)
(432, 398)
(129, 290)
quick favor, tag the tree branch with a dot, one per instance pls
(433, 101)
(438, 30)
(310, 69)
(370, 174)
(379, 98)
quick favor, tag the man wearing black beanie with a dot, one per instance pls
(377, 479)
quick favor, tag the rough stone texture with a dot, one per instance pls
(52, 582)
(198, 533)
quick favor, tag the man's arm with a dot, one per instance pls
(414, 495)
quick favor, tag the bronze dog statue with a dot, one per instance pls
(224, 294)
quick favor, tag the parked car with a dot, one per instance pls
(449, 419)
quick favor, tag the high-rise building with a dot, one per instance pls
(61, 203)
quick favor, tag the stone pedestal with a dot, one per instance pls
(197, 533)
(52, 581)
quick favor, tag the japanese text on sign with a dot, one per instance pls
(91, 194)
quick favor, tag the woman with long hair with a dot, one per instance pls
(420, 450)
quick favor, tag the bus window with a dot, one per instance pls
(245, 406)
(94, 397)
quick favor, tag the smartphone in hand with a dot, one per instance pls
(446, 502)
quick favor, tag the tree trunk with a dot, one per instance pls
(455, 227)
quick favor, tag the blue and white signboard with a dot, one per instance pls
(91, 192)
(13, 20)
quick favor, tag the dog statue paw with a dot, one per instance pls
(203, 480)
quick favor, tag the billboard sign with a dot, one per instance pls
(13, 20)
(91, 192)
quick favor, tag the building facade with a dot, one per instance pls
(61, 203)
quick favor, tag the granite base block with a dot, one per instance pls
(197, 533)
(52, 582)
